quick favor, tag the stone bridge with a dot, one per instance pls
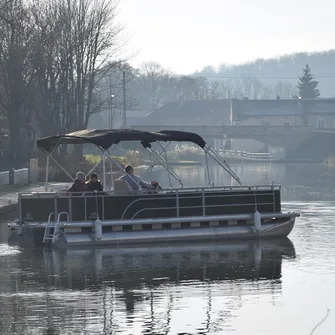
(288, 137)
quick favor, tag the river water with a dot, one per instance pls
(272, 287)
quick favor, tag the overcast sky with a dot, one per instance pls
(185, 35)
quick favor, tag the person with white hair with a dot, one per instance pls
(79, 183)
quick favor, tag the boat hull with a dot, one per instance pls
(33, 236)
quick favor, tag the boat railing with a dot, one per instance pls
(174, 200)
(205, 197)
(165, 190)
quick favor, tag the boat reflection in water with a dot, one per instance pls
(145, 287)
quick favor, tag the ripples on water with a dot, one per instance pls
(271, 287)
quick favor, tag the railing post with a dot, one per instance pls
(85, 207)
(104, 169)
(203, 203)
(177, 202)
(47, 173)
(207, 168)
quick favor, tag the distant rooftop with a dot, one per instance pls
(212, 112)
(266, 107)
(191, 111)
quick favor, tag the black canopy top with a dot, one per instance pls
(104, 138)
(184, 136)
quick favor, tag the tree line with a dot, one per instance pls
(152, 85)
(60, 63)
(285, 68)
(52, 55)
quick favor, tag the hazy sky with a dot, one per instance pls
(185, 35)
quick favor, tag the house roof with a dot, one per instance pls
(266, 107)
(326, 106)
(190, 110)
(214, 111)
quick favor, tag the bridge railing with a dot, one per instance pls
(246, 155)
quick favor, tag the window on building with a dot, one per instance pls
(286, 123)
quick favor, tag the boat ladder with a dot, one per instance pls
(52, 228)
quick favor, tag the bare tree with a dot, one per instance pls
(229, 88)
(80, 37)
(112, 90)
(153, 80)
(202, 91)
(186, 87)
(284, 89)
(216, 90)
(257, 88)
(16, 74)
(267, 92)
(247, 83)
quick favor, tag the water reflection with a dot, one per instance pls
(303, 181)
(194, 289)
(138, 290)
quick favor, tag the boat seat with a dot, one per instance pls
(123, 187)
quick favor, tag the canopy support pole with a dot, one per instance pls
(94, 167)
(169, 169)
(161, 161)
(221, 162)
(111, 165)
(62, 168)
(167, 164)
(47, 165)
(207, 169)
(103, 156)
(47, 173)
(121, 168)
(111, 172)
(151, 165)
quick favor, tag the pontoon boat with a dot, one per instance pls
(124, 216)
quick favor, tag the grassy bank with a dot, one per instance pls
(123, 160)
(94, 159)
(6, 189)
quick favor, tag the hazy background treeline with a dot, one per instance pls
(62, 60)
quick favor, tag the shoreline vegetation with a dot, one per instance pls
(182, 155)
(122, 160)
(135, 158)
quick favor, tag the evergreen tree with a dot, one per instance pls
(307, 86)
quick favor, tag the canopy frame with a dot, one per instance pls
(107, 140)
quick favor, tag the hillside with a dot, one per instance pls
(286, 69)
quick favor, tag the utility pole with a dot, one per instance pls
(124, 107)
(111, 117)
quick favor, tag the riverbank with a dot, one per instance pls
(9, 196)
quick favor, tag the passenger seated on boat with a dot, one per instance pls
(94, 184)
(135, 181)
(79, 184)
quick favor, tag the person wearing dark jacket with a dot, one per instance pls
(79, 184)
(94, 184)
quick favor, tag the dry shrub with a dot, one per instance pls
(133, 157)
(187, 152)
